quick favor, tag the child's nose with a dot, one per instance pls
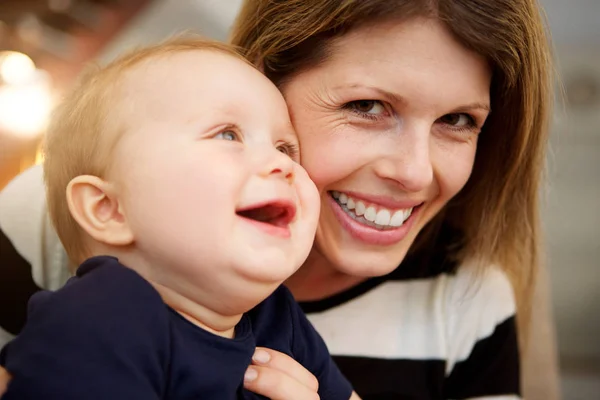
(279, 165)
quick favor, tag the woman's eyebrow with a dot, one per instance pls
(475, 106)
(385, 94)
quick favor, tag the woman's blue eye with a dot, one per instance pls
(227, 135)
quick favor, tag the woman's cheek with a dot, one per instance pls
(333, 153)
(323, 165)
(453, 168)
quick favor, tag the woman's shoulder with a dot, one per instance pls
(31, 256)
(480, 292)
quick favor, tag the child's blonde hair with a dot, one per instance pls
(86, 127)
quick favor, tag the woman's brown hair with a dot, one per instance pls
(497, 212)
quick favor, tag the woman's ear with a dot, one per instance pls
(96, 207)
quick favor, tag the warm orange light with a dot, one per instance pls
(39, 156)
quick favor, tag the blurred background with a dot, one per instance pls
(45, 43)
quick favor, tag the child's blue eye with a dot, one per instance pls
(227, 135)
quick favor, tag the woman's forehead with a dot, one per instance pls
(403, 61)
(400, 41)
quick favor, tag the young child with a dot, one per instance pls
(171, 179)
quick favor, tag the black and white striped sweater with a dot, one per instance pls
(443, 336)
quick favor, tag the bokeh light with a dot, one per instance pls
(25, 107)
(15, 68)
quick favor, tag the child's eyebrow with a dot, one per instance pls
(227, 114)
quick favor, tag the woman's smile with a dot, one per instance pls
(373, 222)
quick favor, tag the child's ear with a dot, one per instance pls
(95, 206)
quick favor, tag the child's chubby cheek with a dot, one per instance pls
(308, 196)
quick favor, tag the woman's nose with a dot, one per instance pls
(407, 163)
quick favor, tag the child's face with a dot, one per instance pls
(205, 184)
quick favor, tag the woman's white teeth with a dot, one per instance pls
(350, 204)
(369, 215)
(397, 219)
(360, 208)
(383, 217)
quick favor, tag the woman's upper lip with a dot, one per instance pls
(384, 201)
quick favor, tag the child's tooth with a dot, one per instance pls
(343, 198)
(336, 195)
(397, 218)
(359, 208)
(383, 217)
(350, 204)
(370, 214)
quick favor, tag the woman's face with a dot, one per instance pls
(388, 130)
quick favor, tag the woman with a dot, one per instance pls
(437, 109)
(423, 124)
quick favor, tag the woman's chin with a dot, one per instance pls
(350, 247)
(363, 263)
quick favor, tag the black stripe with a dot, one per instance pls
(16, 287)
(491, 369)
(382, 379)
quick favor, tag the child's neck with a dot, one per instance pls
(197, 314)
(201, 314)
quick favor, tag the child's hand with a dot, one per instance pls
(4, 379)
(280, 377)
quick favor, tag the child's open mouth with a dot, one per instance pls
(273, 216)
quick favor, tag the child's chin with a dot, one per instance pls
(271, 271)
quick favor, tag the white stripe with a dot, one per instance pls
(24, 220)
(477, 304)
(22, 211)
(5, 337)
(394, 320)
(413, 319)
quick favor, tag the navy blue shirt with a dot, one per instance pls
(108, 335)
